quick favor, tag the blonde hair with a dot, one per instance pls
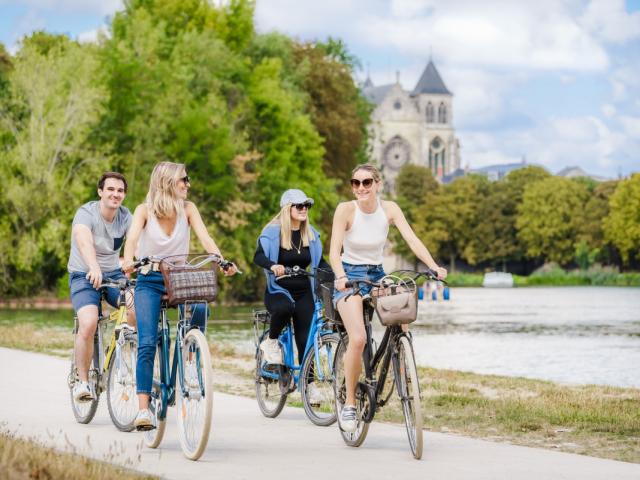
(161, 198)
(283, 218)
(372, 169)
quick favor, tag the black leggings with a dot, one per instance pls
(282, 309)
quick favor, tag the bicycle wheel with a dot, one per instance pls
(270, 399)
(194, 409)
(409, 392)
(85, 411)
(152, 438)
(316, 382)
(121, 383)
(353, 439)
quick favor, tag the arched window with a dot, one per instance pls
(397, 105)
(437, 158)
(429, 113)
(442, 113)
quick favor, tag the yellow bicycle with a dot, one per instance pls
(113, 368)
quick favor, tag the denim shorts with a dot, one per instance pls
(83, 293)
(373, 273)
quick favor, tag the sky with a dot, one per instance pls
(554, 81)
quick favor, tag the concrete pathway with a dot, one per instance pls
(244, 445)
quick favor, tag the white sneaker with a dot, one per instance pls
(144, 420)
(348, 419)
(314, 394)
(82, 392)
(271, 351)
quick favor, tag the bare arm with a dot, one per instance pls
(415, 244)
(340, 225)
(195, 220)
(133, 235)
(84, 240)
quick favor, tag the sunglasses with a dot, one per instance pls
(366, 183)
(186, 179)
(302, 206)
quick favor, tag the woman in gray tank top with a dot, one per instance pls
(162, 225)
(360, 230)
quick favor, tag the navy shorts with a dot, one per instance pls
(373, 273)
(83, 293)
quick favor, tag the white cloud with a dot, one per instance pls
(631, 126)
(609, 20)
(100, 7)
(91, 36)
(608, 110)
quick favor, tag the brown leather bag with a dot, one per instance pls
(397, 305)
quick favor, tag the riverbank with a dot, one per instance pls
(556, 277)
(591, 420)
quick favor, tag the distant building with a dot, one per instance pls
(413, 126)
(574, 172)
(499, 171)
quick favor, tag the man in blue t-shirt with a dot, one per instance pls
(97, 233)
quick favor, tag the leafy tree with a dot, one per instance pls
(448, 218)
(546, 220)
(622, 224)
(495, 238)
(413, 184)
(52, 108)
(591, 238)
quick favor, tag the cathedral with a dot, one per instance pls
(413, 126)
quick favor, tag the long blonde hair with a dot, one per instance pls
(161, 198)
(283, 218)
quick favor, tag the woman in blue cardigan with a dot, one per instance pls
(287, 241)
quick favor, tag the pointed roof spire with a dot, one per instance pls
(430, 81)
(368, 83)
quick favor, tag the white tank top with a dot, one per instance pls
(364, 242)
(154, 242)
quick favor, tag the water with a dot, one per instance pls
(566, 334)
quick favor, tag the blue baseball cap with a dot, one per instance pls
(295, 196)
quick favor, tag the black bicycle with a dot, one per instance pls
(395, 352)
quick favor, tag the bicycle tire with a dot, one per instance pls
(356, 438)
(409, 392)
(85, 411)
(122, 400)
(270, 399)
(153, 438)
(326, 352)
(194, 443)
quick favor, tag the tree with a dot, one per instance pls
(51, 109)
(622, 224)
(591, 237)
(413, 184)
(546, 222)
(495, 238)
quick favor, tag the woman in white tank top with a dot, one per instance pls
(360, 230)
(162, 225)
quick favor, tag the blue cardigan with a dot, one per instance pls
(270, 242)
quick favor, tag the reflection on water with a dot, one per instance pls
(565, 334)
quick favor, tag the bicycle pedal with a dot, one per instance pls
(145, 428)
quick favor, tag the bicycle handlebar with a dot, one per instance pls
(295, 271)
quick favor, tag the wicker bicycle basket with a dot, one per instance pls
(189, 278)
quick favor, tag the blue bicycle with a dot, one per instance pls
(314, 378)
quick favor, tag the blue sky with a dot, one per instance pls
(556, 81)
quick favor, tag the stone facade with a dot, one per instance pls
(413, 127)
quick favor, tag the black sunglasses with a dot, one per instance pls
(185, 179)
(302, 206)
(366, 183)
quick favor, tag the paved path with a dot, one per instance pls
(245, 445)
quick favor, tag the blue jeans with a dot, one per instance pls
(148, 294)
(83, 293)
(373, 273)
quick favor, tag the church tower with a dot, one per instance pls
(413, 127)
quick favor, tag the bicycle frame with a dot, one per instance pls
(317, 329)
(168, 375)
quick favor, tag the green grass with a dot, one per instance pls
(30, 459)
